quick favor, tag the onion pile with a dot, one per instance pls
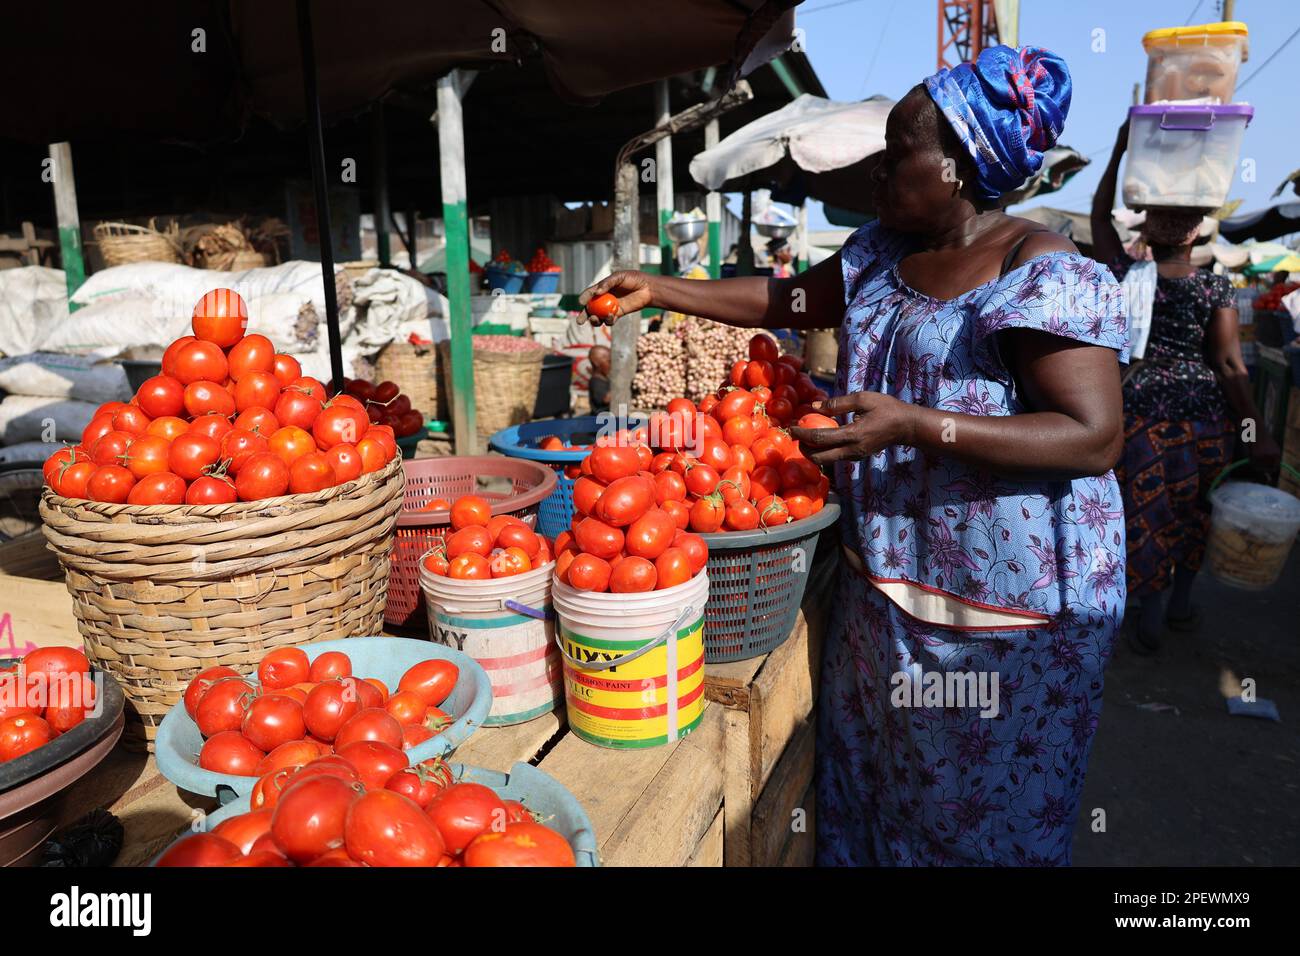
(660, 369)
(711, 350)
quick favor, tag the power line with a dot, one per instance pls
(876, 52)
(1260, 68)
(1193, 13)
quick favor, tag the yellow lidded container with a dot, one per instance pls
(1196, 62)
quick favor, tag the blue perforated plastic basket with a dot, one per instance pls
(535, 789)
(520, 441)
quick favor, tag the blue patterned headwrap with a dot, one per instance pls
(1006, 109)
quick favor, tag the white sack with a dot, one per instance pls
(29, 418)
(52, 375)
(32, 299)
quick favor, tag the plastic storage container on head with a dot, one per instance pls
(1193, 63)
(1183, 154)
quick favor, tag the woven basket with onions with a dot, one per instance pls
(163, 591)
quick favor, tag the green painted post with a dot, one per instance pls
(713, 206)
(65, 212)
(455, 217)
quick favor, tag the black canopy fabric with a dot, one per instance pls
(195, 71)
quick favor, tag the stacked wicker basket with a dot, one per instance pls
(164, 591)
(505, 385)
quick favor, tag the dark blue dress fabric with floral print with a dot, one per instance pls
(943, 785)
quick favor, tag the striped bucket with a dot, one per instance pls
(507, 626)
(633, 663)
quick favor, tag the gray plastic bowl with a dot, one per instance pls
(387, 658)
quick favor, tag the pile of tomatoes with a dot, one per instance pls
(541, 262)
(1271, 300)
(386, 405)
(48, 693)
(341, 810)
(228, 420)
(482, 546)
(308, 709)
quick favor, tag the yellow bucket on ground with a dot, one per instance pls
(633, 663)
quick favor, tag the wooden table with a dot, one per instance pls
(738, 790)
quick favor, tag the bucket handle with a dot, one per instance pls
(626, 658)
(1245, 461)
(1184, 126)
(526, 611)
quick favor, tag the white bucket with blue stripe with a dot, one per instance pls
(508, 626)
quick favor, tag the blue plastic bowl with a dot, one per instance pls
(505, 280)
(535, 789)
(387, 658)
(542, 283)
(520, 441)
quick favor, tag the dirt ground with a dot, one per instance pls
(1181, 781)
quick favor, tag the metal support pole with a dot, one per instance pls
(455, 218)
(745, 251)
(316, 147)
(379, 159)
(65, 213)
(713, 207)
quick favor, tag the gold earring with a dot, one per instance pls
(960, 185)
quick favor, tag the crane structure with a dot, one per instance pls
(965, 28)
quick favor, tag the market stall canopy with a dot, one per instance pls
(195, 72)
(1263, 224)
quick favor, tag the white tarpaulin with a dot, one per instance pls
(818, 135)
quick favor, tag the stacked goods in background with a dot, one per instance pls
(51, 399)
(687, 361)
(1185, 139)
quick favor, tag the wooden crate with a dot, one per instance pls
(768, 748)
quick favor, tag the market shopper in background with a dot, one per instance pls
(1182, 407)
(979, 379)
(598, 384)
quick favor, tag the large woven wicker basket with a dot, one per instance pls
(163, 591)
(121, 243)
(415, 370)
(505, 385)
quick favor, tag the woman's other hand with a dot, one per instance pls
(632, 289)
(878, 422)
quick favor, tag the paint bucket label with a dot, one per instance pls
(655, 699)
(519, 655)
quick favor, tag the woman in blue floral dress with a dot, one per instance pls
(982, 579)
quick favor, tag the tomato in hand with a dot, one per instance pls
(604, 307)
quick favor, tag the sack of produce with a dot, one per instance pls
(26, 418)
(54, 375)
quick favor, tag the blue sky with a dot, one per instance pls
(862, 47)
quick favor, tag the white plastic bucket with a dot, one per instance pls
(1252, 528)
(1183, 155)
(507, 626)
(633, 663)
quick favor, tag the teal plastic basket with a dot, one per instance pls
(535, 789)
(387, 658)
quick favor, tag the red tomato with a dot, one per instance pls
(191, 455)
(507, 562)
(21, 734)
(375, 761)
(764, 481)
(422, 782)
(650, 534)
(610, 463)
(673, 568)
(310, 814)
(384, 828)
(273, 719)
(598, 539)
(519, 536)
(286, 369)
(169, 427)
(264, 475)
(432, 680)
(436, 563)
(130, 419)
(586, 491)
(472, 539)
(586, 572)
(169, 358)
(297, 406)
(162, 488)
(463, 811)
(469, 566)
(110, 483)
(260, 421)
(372, 723)
(707, 514)
(70, 482)
(772, 511)
(331, 665)
(252, 353)
(223, 705)
(338, 423)
(200, 849)
(283, 667)
(311, 472)
(208, 398)
(741, 516)
(288, 756)
(604, 306)
(211, 426)
(817, 420)
(346, 462)
(220, 317)
(109, 449)
(406, 707)
(470, 510)
(244, 829)
(669, 486)
(632, 575)
(625, 500)
(239, 445)
(763, 347)
(678, 511)
(256, 390)
(682, 406)
(702, 480)
(147, 455)
(71, 699)
(199, 685)
(230, 752)
(211, 490)
(736, 402)
(161, 396)
(199, 362)
(329, 706)
(521, 843)
(414, 735)
(693, 546)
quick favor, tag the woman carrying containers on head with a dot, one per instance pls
(979, 380)
(1178, 434)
